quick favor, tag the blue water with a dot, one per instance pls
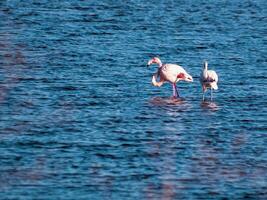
(79, 118)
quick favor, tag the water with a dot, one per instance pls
(81, 120)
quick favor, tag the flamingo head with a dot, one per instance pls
(184, 77)
(154, 60)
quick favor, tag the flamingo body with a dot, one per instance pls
(208, 79)
(171, 73)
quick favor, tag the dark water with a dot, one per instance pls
(80, 119)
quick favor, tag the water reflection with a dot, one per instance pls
(170, 105)
(164, 148)
(163, 101)
(209, 105)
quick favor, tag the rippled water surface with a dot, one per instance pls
(81, 120)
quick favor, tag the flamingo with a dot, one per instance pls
(169, 72)
(208, 79)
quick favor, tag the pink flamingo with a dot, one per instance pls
(169, 72)
(208, 79)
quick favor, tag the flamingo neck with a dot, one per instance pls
(205, 72)
(205, 66)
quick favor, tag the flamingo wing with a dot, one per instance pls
(211, 77)
(209, 81)
(170, 71)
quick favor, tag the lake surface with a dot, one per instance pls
(79, 118)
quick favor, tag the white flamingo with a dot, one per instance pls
(169, 72)
(208, 79)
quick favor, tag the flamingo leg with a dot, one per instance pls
(203, 94)
(175, 92)
(211, 94)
